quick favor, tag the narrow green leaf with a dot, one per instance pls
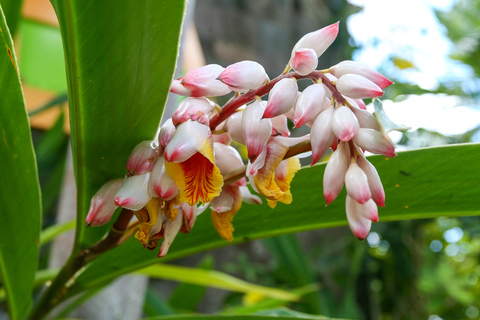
(11, 9)
(54, 231)
(120, 60)
(418, 184)
(213, 279)
(285, 316)
(20, 210)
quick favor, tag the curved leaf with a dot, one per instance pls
(120, 60)
(20, 209)
(418, 184)
(274, 316)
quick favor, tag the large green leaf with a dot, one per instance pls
(120, 58)
(20, 209)
(11, 9)
(441, 181)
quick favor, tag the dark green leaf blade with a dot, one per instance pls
(419, 184)
(120, 62)
(20, 210)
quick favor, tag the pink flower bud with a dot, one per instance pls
(281, 98)
(256, 131)
(374, 182)
(189, 217)
(233, 126)
(318, 40)
(304, 61)
(309, 104)
(201, 82)
(161, 185)
(196, 109)
(166, 133)
(188, 139)
(358, 87)
(243, 76)
(366, 119)
(143, 157)
(375, 142)
(280, 125)
(178, 88)
(102, 205)
(361, 69)
(170, 231)
(322, 135)
(344, 124)
(356, 183)
(359, 225)
(334, 176)
(133, 195)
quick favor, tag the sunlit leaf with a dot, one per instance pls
(20, 209)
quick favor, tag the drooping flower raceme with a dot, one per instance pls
(191, 162)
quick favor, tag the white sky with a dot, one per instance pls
(410, 30)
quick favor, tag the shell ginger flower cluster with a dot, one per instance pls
(191, 166)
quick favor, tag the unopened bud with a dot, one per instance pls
(281, 98)
(143, 157)
(102, 205)
(304, 61)
(357, 87)
(243, 76)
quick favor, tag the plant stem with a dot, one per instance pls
(58, 289)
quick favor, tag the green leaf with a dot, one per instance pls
(239, 317)
(11, 9)
(418, 184)
(20, 210)
(214, 279)
(120, 61)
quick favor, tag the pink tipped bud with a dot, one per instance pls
(170, 231)
(375, 142)
(322, 135)
(243, 76)
(361, 69)
(188, 139)
(281, 98)
(356, 183)
(201, 82)
(133, 195)
(256, 131)
(304, 61)
(166, 133)
(358, 87)
(102, 205)
(318, 40)
(366, 119)
(334, 176)
(189, 217)
(196, 109)
(143, 157)
(178, 88)
(309, 104)
(359, 224)
(233, 126)
(161, 185)
(280, 125)
(374, 182)
(344, 124)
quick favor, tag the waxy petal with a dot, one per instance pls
(161, 185)
(243, 76)
(361, 69)
(356, 183)
(357, 87)
(284, 174)
(280, 126)
(309, 104)
(359, 225)
(281, 98)
(375, 142)
(166, 133)
(143, 157)
(201, 82)
(374, 182)
(334, 176)
(221, 219)
(102, 205)
(187, 140)
(256, 131)
(170, 231)
(233, 126)
(366, 119)
(304, 61)
(318, 40)
(344, 124)
(227, 158)
(248, 197)
(133, 195)
(189, 217)
(196, 109)
(322, 135)
(178, 88)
